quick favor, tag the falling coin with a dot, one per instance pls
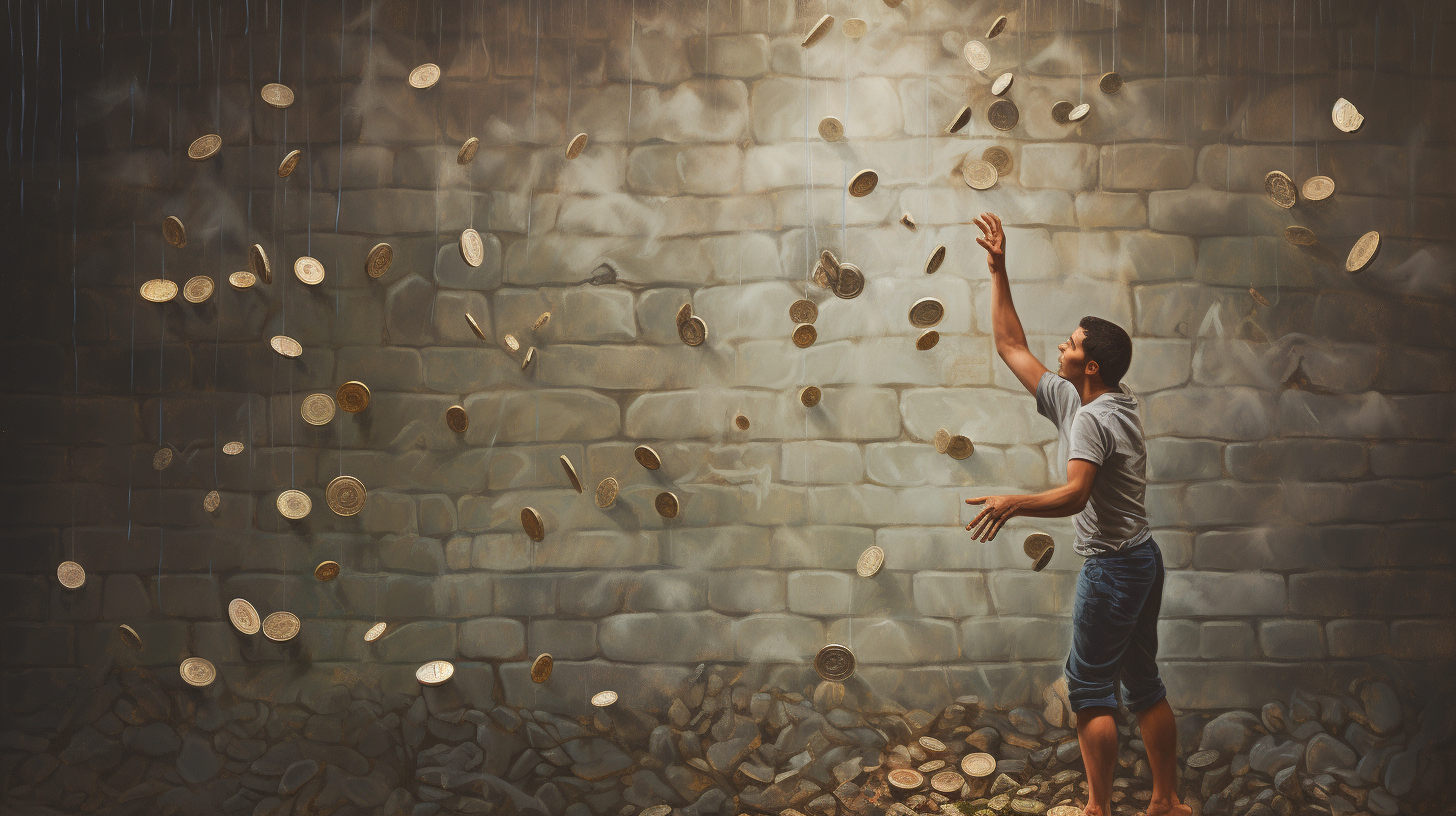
(472, 249)
(571, 473)
(258, 264)
(317, 409)
(1044, 559)
(308, 270)
(279, 96)
(926, 312)
(130, 635)
(1061, 111)
(197, 289)
(960, 447)
(1036, 544)
(281, 626)
(979, 174)
(286, 346)
(475, 327)
(803, 311)
(947, 782)
(977, 55)
(1318, 188)
(978, 765)
(294, 504)
(70, 574)
(159, 290)
(578, 144)
(831, 129)
(435, 672)
(863, 183)
(204, 147)
(345, 495)
(212, 501)
(1345, 116)
(162, 458)
(289, 163)
(326, 571)
(809, 395)
(908, 220)
(530, 355)
(467, 151)
(870, 562)
(197, 671)
(942, 440)
(666, 504)
(693, 331)
(937, 257)
(1363, 252)
(602, 699)
(906, 778)
(1280, 188)
(818, 31)
(1003, 114)
(999, 158)
(996, 27)
(1079, 113)
(232, 448)
(854, 28)
(533, 525)
(1300, 236)
(174, 232)
(375, 631)
(804, 335)
(1110, 83)
(242, 280)
(850, 282)
(741, 421)
(380, 257)
(243, 616)
(511, 342)
(541, 668)
(962, 118)
(541, 321)
(647, 457)
(606, 492)
(1001, 84)
(456, 418)
(424, 76)
(352, 396)
(1254, 293)
(927, 340)
(684, 313)
(835, 663)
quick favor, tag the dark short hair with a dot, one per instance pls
(1109, 345)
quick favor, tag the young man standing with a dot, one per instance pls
(1120, 588)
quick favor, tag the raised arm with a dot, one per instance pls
(1005, 325)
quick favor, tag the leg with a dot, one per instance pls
(1097, 737)
(1160, 737)
(1147, 698)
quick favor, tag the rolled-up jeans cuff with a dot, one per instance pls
(1148, 700)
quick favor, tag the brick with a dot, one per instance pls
(951, 594)
(1309, 459)
(821, 462)
(1100, 210)
(417, 642)
(1422, 640)
(1262, 548)
(740, 591)
(984, 415)
(777, 638)
(1065, 166)
(187, 596)
(719, 547)
(666, 637)
(1221, 594)
(598, 549)
(1171, 459)
(1021, 592)
(1226, 640)
(1292, 639)
(492, 639)
(1412, 459)
(565, 640)
(820, 592)
(819, 546)
(896, 641)
(668, 591)
(1369, 592)
(670, 170)
(1134, 166)
(1178, 638)
(1218, 413)
(744, 56)
(1127, 257)
(1357, 638)
(541, 416)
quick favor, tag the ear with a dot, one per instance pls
(1091, 368)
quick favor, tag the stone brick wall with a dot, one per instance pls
(1301, 454)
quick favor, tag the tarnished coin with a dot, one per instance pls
(512, 344)
(424, 76)
(927, 340)
(281, 626)
(380, 257)
(870, 562)
(541, 321)
(174, 232)
(197, 671)
(1280, 188)
(162, 458)
(1110, 83)
(996, 27)
(854, 28)
(959, 447)
(1300, 236)
(647, 457)
(1061, 111)
(962, 118)
(130, 636)
(931, 766)
(578, 144)
(242, 280)
(979, 174)
(467, 151)
(926, 312)
(571, 473)
(810, 395)
(741, 421)
(204, 147)
(804, 335)
(828, 261)
(863, 183)
(1064, 810)
(1036, 544)
(932, 745)
(530, 355)
(1260, 299)
(541, 668)
(1003, 114)
(937, 257)
(908, 220)
(435, 672)
(999, 158)
(1079, 113)
(666, 504)
(70, 574)
(657, 810)
(232, 448)
(197, 289)
(942, 440)
(977, 55)
(285, 345)
(978, 765)
(533, 525)
(602, 699)
(345, 495)
(906, 778)
(818, 31)
(326, 571)
(317, 409)
(289, 163)
(279, 96)
(212, 501)
(1001, 84)
(258, 264)
(693, 331)
(1363, 252)
(831, 129)
(159, 290)
(850, 282)
(1044, 559)
(606, 492)
(947, 782)
(456, 418)
(472, 249)
(475, 327)
(803, 311)
(243, 616)
(1318, 188)
(1345, 116)
(294, 504)
(835, 663)
(375, 632)
(352, 396)
(1202, 759)
(683, 313)
(309, 270)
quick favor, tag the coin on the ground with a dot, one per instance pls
(803, 311)
(197, 671)
(977, 55)
(854, 28)
(741, 421)
(277, 95)
(258, 264)
(831, 129)
(834, 663)
(294, 504)
(863, 183)
(533, 525)
(435, 672)
(71, 575)
(947, 782)
(352, 396)
(475, 327)
(602, 699)
(1254, 293)
(577, 144)
(380, 257)
(1060, 112)
(212, 501)
(666, 504)
(932, 745)
(1203, 759)
(242, 280)
(606, 492)
(346, 495)
(978, 765)
(870, 562)
(232, 448)
(1035, 544)
(197, 289)
(1300, 236)
(1079, 113)
(571, 473)
(1001, 84)
(1363, 252)
(472, 248)
(1003, 114)
(243, 616)
(541, 321)
(850, 282)
(926, 312)
(927, 340)
(1044, 559)
(1064, 810)
(937, 257)
(1345, 116)
(908, 220)
(962, 118)
(1318, 188)
(647, 457)
(809, 396)
(204, 147)
(317, 409)
(289, 163)
(530, 355)
(326, 571)
(174, 232)
(942, 440)
(285, 345)
(456, 419)
(959, 447)
(1110, 83)
(979, 174)
(467, 151)
(375, 632)
(281, 626)
(159, 290)
(906, 778)
(512, 344)
(425, 75)
(693, 331)
(162, 458)
(818, 31)
(999, 158)
(1280, 188)
(130, 635)
(805, 334)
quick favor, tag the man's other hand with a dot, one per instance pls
(998, 510)
(994, 240)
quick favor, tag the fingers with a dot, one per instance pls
(985, 227)
(979, 500)
(983, 242)
(982, 522)
(977, 520)
(995, 219)
(996, 529)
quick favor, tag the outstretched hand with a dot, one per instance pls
(994, 240)
(998, 510)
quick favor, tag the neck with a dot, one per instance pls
(1091, 391)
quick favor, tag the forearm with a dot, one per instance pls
(1005, 324)
(1054, 503)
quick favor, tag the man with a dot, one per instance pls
(1120, 588)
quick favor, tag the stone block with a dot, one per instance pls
(1021, 592)
(1219, 413)
(503, 553)
(38, 644)
(411, 553)
(951, 594)
(452, 272)
(1171, 459)
(1357, 638)
(743, 56)
(1123, 256)
(1063, 165)
(667, 637)
(1368, 415)
(1201, 210)
(668, 591)
(651, 56)
(187, 596)
(563, 639)
(1178, 638)
(1223, 594)
(777, 638)
(598, 549)
(820, 592)
(872, 504)
(492, 639)
(1292, 639)
(740, 591)
(813, 461)
(1422, 640)
(819, 546)
(781, 111)
(672, 170)
(540, 416)
(1141, 166)
(985, 415)
(526, 595)
(897, 641)
(1369, 592)
(1261, 548)
(125, 599)
(1102, 210)
(386, 369)
(417, 642)
(1412, 459)
(843, 413)
(463, 596)
(1226, 640)
(985, 639)
(719, 547)
(1306, 459)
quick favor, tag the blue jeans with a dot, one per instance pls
(1115, 629)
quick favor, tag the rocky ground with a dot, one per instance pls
(146, 744)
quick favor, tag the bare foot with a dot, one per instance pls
(1167, 809)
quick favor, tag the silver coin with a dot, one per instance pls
(1346, 117)
(277, 95)
(472, 248)
(977, 55)
(870, 562)
(926, 312)
(71, 575)
(1079, 113)
(1001, 84)
(979, 174)
(425, 75)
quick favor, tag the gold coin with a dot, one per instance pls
(326, 571)
(571, 473)
(1318, 188)
(232, 448)
(289, 163)
(541, 321)
(578, 144)
(606, 492)
(1079, 113)
(475, 327)
(1044, 559)
(435, 672)
(937, 257)
(741, 421)
(1003, 114)
(684, 314)
(286, 346)
(977, 55)
(242, 280)
(818, 31)
(927, 340)
(863, 183)
(926, 312)
(890, 4)
(947, 782)
(602, 699)
(932, 745)
(1001, 84)
(908, 220)
(294, 504)
(999, 158)
(71, 575)
(352, 396)
(424, 76)
(159, 290)
(541, 668)
(1110, 83)
(803, 311)
(962, 118)
(805, 335)
(1036, 544)
(204, 147)
(1345, 116)
(243, 616)
(835, 663)
(666, 504)
(1300, 236)
(960, 447)
(870, 562)
(1064, 810)
(197, 671)
(309, 270)
(1280, 188)
(850, 282)
(979, 174)
(197, 289)
(456, 418)
(693, 331)
(996, 27)
(1363, 252)
(212, 501)
(130, 635)
(279, 96)
(345, 495)
(660, 810)
(380, 257)
(831, 129)
(854, 28)
(467, 151)
(1061, 111)
(647, 457)
(530, 355)
(809, 396)
(828, 260)
(375, 631)
(978, 765)
(942, 441)
(162, 458)
(258, 264)
(281, 626)
(174, 232)
(533, 525)
(511, 342)
(317, 409)
(1254, 293)
(472, 249)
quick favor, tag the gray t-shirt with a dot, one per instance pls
(1107, 432)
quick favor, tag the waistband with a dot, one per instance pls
(1137, 549)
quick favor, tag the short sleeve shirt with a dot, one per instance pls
(1108, 433)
